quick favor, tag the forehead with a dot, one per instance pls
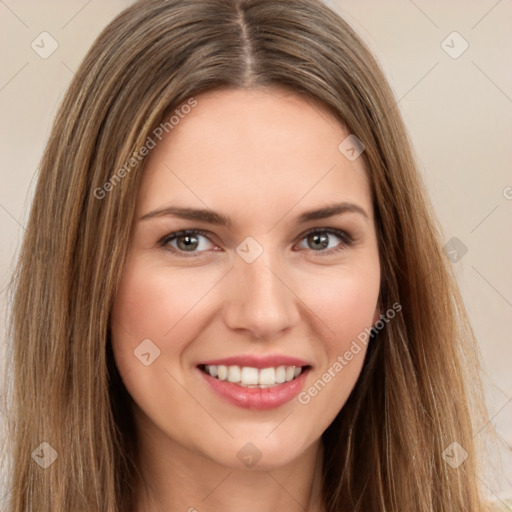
(260, 148)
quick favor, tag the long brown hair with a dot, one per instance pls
(419, 384)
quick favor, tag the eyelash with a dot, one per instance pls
(346, 240)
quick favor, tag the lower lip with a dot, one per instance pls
(257, 398)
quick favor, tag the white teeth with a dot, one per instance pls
(267, 376)
(222, 372)
(280, 374)
(248, 376)
(234, 373)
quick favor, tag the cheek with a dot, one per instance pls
(346, 305)
(156, 308)
(345, 302)
(153, 303)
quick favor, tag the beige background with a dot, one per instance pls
(458, 111)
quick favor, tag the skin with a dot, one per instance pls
(261, 157)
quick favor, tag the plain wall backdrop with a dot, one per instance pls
(450, 68)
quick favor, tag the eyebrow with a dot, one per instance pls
(211, 217)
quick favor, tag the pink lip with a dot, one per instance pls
(257, 398)
(258, 361)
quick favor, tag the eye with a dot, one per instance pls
(321, 239)
(192, 242)
(186, 241)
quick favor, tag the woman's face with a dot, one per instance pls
(266, 285)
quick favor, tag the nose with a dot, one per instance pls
(260, 298)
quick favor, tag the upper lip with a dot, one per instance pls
(257, 361)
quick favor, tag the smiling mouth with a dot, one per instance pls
(249, 377)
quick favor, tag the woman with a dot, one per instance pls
(232, 292)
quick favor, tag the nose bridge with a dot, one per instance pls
(261, 301)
